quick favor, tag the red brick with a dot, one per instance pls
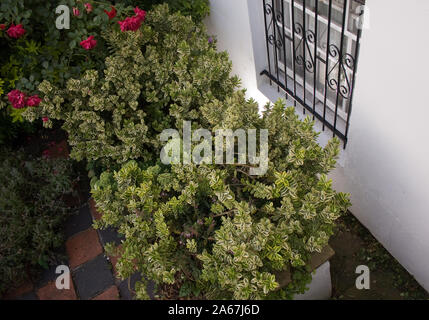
(110, 294)
(50, 292)
(94, 212)
(82, 247)
(14, 293)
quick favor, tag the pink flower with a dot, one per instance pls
(33, 101)
(2, 26)
(16, 31)
(17, 99)
(45, 119)
(76, 11)
(88, 7)
(111, 13)
(89, 43)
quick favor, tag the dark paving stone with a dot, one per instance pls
(28, 296)
(93, 277)
(110, 235)
(125, 285)
(78, 222)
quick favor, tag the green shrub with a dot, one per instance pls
(214, 231)
(31, 213)
(208, 231)
(156, 77)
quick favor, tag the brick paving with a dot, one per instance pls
(92, 273)
(83, 247)
(110, 294)
(50, 292)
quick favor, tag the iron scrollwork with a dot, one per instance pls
(274, 38)
(347, 60)
(307, 38)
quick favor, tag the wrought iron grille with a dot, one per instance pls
(312, 50)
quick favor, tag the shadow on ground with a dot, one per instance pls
(354, 245)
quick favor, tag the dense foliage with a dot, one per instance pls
(156, 77)
(216, 232)
(198, 231)
(32, 211)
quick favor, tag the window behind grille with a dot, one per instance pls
(308, 60)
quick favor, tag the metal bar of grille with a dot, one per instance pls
(340, 64)
(315, 56)
(356, 55)
(327, 63)
(293, 50)
(266, 36)
(304, 47)
(275, 41)
(284, 43)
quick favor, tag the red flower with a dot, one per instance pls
(17, 99)
(88, 7)
(89, 43)
(16, 31)
(45, 119)
(2, 26)
(111, 13)
(130, 24)
(33, 101)
(133, 23)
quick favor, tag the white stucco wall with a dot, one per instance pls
(385, 166)
(229, 22)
